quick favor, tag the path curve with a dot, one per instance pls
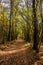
(24, 47)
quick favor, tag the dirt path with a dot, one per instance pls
(20, 52)
(24, 47)
(40, 61)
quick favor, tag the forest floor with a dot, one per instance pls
(19, 52)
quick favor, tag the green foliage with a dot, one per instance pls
(20, 19)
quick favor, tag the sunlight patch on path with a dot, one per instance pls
(41, 57)
(23, 48)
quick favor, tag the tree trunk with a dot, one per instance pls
(11, 31)
(35, 44)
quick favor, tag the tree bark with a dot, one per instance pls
(35, 36)
(11, 31)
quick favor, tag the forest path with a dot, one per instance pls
(40, 54)
(19, 52)
(17, 46)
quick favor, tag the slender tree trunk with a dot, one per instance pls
(35, 44)
(41, 20)
(42, 29)
(3, 28)
(42, 24)
(10, 35)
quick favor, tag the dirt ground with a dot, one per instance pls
(19, 52)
